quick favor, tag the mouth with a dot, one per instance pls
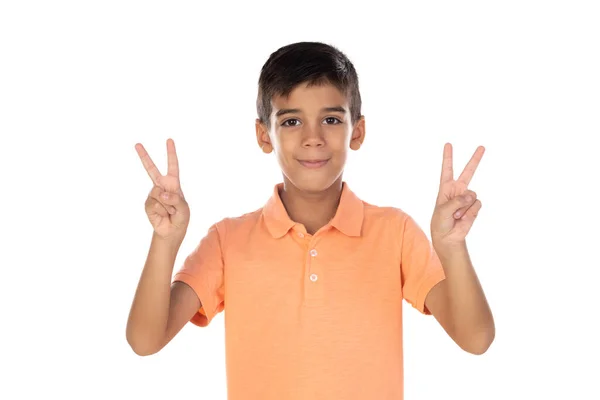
(313, 163)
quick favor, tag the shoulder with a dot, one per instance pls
(390, 220)
(384, 214)
(233, 225)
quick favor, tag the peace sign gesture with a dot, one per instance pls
(456, 206)
(165, 206)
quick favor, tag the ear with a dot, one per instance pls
(358, 134)
(262, 137)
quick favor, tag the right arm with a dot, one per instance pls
(159, 310)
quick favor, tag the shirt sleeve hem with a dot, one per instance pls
(206, 312)
(428, 284)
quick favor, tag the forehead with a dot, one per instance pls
(307, 98)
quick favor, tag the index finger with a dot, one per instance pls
(150, 167)
(469, 170)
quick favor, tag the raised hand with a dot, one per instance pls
(456, 206)
(165, 206)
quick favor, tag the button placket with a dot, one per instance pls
(314, 283)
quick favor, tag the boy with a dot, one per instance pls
(313, 282)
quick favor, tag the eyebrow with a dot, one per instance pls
(284, 111)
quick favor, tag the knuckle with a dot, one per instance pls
(155, 190)
(174, 198)
(155, 194)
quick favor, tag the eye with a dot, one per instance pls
(332, 121)
(290, 122)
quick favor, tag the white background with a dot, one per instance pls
(82, 82)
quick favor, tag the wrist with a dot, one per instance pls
(168, 244)
(449, 250)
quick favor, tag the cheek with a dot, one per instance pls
(288, 140)
(339, 142)
(284, 147)
(276, 141)
(342, 157)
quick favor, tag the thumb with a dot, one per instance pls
(460, 203)
(172, 199)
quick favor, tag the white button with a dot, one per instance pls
(301, 234)
(313, 252)
(314, 277)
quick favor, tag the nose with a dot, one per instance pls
(313, 137)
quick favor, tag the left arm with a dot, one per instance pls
(459, 304)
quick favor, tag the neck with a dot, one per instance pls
(311, 209)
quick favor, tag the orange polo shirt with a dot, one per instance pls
(313, 316)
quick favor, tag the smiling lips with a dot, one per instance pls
(313, 163)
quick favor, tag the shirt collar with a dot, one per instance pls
(348, 218)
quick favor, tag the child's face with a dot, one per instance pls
(311, 132)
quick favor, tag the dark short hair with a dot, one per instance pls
(314, 63)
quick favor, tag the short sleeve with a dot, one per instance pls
(202, 270)
(421, 268)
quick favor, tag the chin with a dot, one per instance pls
(313, 182)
